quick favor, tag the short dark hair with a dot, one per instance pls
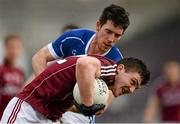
(117, 15)
(136, 65)
(69, 27)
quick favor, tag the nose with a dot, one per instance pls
(111, 38)
(132, 89)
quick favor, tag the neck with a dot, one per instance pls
(94, 48)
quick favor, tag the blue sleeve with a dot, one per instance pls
(115, 54)
(59, 47)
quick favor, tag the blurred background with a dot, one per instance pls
(153, 35)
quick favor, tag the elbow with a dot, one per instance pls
(88, 62)
(82, 62)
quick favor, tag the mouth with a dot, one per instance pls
(124, 91)
(107, 45)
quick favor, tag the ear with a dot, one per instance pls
(120, 68)
(98, 25)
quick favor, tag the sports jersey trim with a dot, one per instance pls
(89, 42)
(120, 53)
(108, 74)
(51, 50)
(106, 52)
(109, 70)
(73, 38)
(107, 67)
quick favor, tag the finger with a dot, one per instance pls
(100, 112)
(100, 106)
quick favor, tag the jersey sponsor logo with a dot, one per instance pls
(74, 52)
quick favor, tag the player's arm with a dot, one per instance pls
(108, 102)
(40, 59)
(52, 51)
(87, 68)
(151, 109)
(39, 63)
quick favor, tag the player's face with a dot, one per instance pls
(13, 48)
(107, 35)
(125, 82)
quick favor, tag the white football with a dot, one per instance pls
(100, 92)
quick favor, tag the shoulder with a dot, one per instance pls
(115, 50)
(83, 35)
(80, 33)
(104, 60)
(115, 54)
(160, 86)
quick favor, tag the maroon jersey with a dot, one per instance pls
(170, 101)
(11, 81)
(50, 93)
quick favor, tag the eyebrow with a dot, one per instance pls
(114, 32)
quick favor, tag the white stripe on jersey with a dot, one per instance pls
(110, 66)
(73, 38)
(88, 43)
(108, 74)
(109, 70)
(61, 51)
(51, 50)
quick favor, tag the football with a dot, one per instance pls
(100, 92)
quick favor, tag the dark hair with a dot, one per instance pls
(117, 15)
(69, 27)
(136, 65)
(10, 37)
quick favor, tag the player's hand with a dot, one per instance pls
(110, 99)
(100, 112)
(72, 108)
(89, 110)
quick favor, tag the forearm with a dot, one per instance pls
(85, 75)
(38, 64)
(40, 59)
(85, 79)
(151, 110)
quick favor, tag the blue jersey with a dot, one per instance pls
(76, 42)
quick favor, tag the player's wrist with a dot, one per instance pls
(88, 110)
(87, 102)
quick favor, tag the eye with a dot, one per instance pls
(108, 31)
(133, 83)
(117, 35)
(125, 90)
